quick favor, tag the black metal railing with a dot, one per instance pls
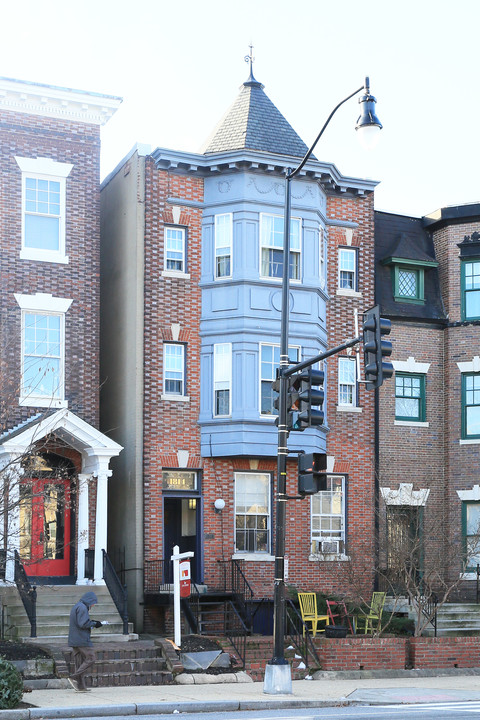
(236, 630)
(242, 592)
(116, 589)
(28, 594)
(299, 635)
(428, 606)
(157, 576)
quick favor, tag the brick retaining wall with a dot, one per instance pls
(444, 652)
(362, 653)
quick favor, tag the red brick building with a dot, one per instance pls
(53, 459)
(191, 279)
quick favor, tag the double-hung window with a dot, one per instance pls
(223, 245)
(222, 379)
(347, 269)
(269, 362)
(471, 289)
(174, 369)
(347, 385)
(42, 382)
(252, 512)
(43, 209)
(271, 246)
(328, 517)
(175, 249)
(470, 405)
(471, 533)
(409, 397)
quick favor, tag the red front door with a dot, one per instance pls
(45, 526)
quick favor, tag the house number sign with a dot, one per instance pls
(177, 480)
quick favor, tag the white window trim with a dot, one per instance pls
(167, 271)
(299, 252)
(411, 366)
(46, 304)
(412, 423)
(175, 274)
(329, 557)
(174, 396)
(470, 367)
(405, 495)
(45, 168)
(352, 405)
(259, 555)
(352, 292)
(222, 277)
(322, 270)
(229, 380)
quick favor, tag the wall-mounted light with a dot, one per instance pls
(219, 504)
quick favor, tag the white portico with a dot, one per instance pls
(95, 449)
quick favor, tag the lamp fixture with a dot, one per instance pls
(368, 121)
(219, 504)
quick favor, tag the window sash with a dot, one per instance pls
(223, 245)
(174, 369)
(328, 511)
(409, 397)
(471, 405)
(252, 512)
(222, 378)
(271, 246)
(471, 533)
(347, 385)
(471, 283)
(347, 269)
(175, 249)
(269, 362)
(42, 355)
(43, 213)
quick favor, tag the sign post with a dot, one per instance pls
(177, 557)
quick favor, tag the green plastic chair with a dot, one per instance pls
(373, 617)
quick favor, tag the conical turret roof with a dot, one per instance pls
(254, 123)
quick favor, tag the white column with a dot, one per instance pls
(101, 524)
(82, 523)
(13, 528)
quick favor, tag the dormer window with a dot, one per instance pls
(408, 279)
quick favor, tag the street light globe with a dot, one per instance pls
(368, 122)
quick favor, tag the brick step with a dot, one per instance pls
(115, 667)
(126, 679)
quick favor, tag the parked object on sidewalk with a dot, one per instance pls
(373, 617)
(308, 610)
(79, 639)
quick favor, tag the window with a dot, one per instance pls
(471, 405)
(271, 244)
(175, 249)
(222, 378)
(471, 533)
(347, 269)
(347, 386)
(269, 362)
(252, 512)
(408, 284)
(409, 397)
(328, 517)
(43, 350)
(471, 290)
(43, 209)
(223, 245)
(174, 369)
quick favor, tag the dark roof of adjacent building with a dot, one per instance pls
(405, 237)
(254, 123)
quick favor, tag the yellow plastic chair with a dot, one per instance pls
(373, 618)
(308, 610)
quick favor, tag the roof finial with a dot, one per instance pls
(250, 59)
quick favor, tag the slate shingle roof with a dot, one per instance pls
(254, 123)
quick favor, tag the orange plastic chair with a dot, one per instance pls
(342, 614)
(308, 610)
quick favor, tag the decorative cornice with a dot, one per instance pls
(57, 102)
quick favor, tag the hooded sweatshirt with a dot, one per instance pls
(80, 623)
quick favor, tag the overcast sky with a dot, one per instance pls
(178, 65)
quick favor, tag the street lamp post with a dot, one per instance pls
(278, 678)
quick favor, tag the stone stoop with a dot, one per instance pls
(139, 662)
(456, 619)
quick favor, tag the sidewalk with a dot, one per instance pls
(330, 689)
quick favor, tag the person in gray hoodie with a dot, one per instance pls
(80, 641)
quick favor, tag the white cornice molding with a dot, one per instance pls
(410, 366)
(473, 366)
(57, 102)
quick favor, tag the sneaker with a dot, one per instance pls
(73, 683)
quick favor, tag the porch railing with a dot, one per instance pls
(28, 594)
(236, 630)
(157, 576)
(116, 589)
(299, 635)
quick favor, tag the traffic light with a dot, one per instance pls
(375, 349)
(292, 399)
(309, 385)
(312, 477)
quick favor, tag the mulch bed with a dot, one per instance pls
(198, 643)
(21, 651)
